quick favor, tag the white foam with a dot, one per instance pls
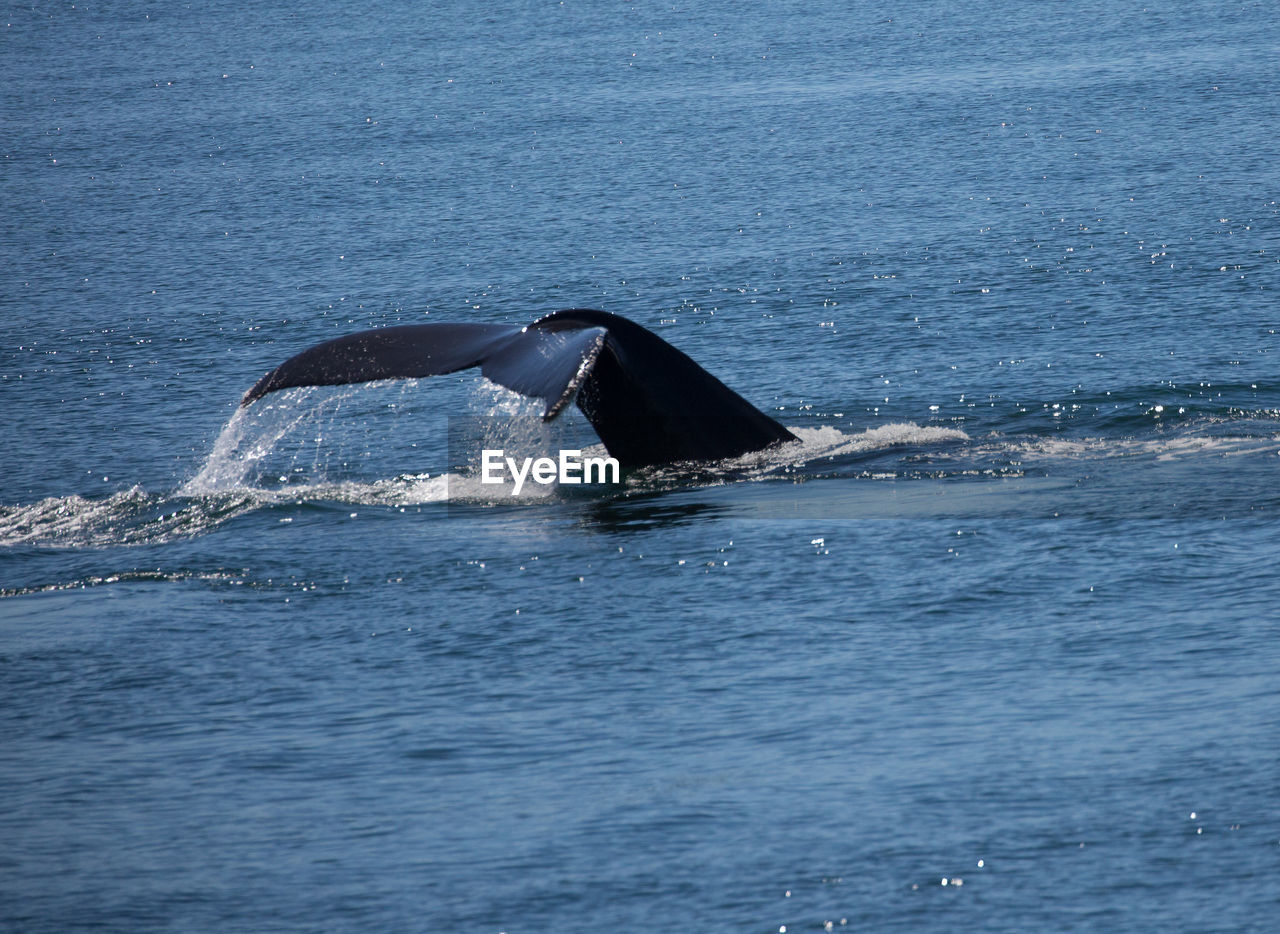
(830, 442)
(63, 517)
(128, 517)
(1164, 448)
(408, 490)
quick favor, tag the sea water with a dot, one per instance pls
(992, 646)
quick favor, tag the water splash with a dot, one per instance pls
(253, 433)
(223, 469)
(305, 439)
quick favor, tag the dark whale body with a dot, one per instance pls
(649, 403)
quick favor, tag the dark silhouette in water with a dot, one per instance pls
(648, 402)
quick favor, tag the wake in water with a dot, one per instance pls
(129, 517)
(232, 483)
(322, 446)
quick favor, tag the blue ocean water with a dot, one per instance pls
(993, 647)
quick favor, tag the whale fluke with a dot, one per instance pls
(649, 403)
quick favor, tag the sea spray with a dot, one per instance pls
(251, 435)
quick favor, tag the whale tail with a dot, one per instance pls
(649, 403)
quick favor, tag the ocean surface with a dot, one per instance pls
(994, 646)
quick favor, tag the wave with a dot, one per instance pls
(129, 517)
(134, 576)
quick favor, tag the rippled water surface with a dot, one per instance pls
(991, 647)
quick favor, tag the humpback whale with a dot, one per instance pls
(649, 402)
